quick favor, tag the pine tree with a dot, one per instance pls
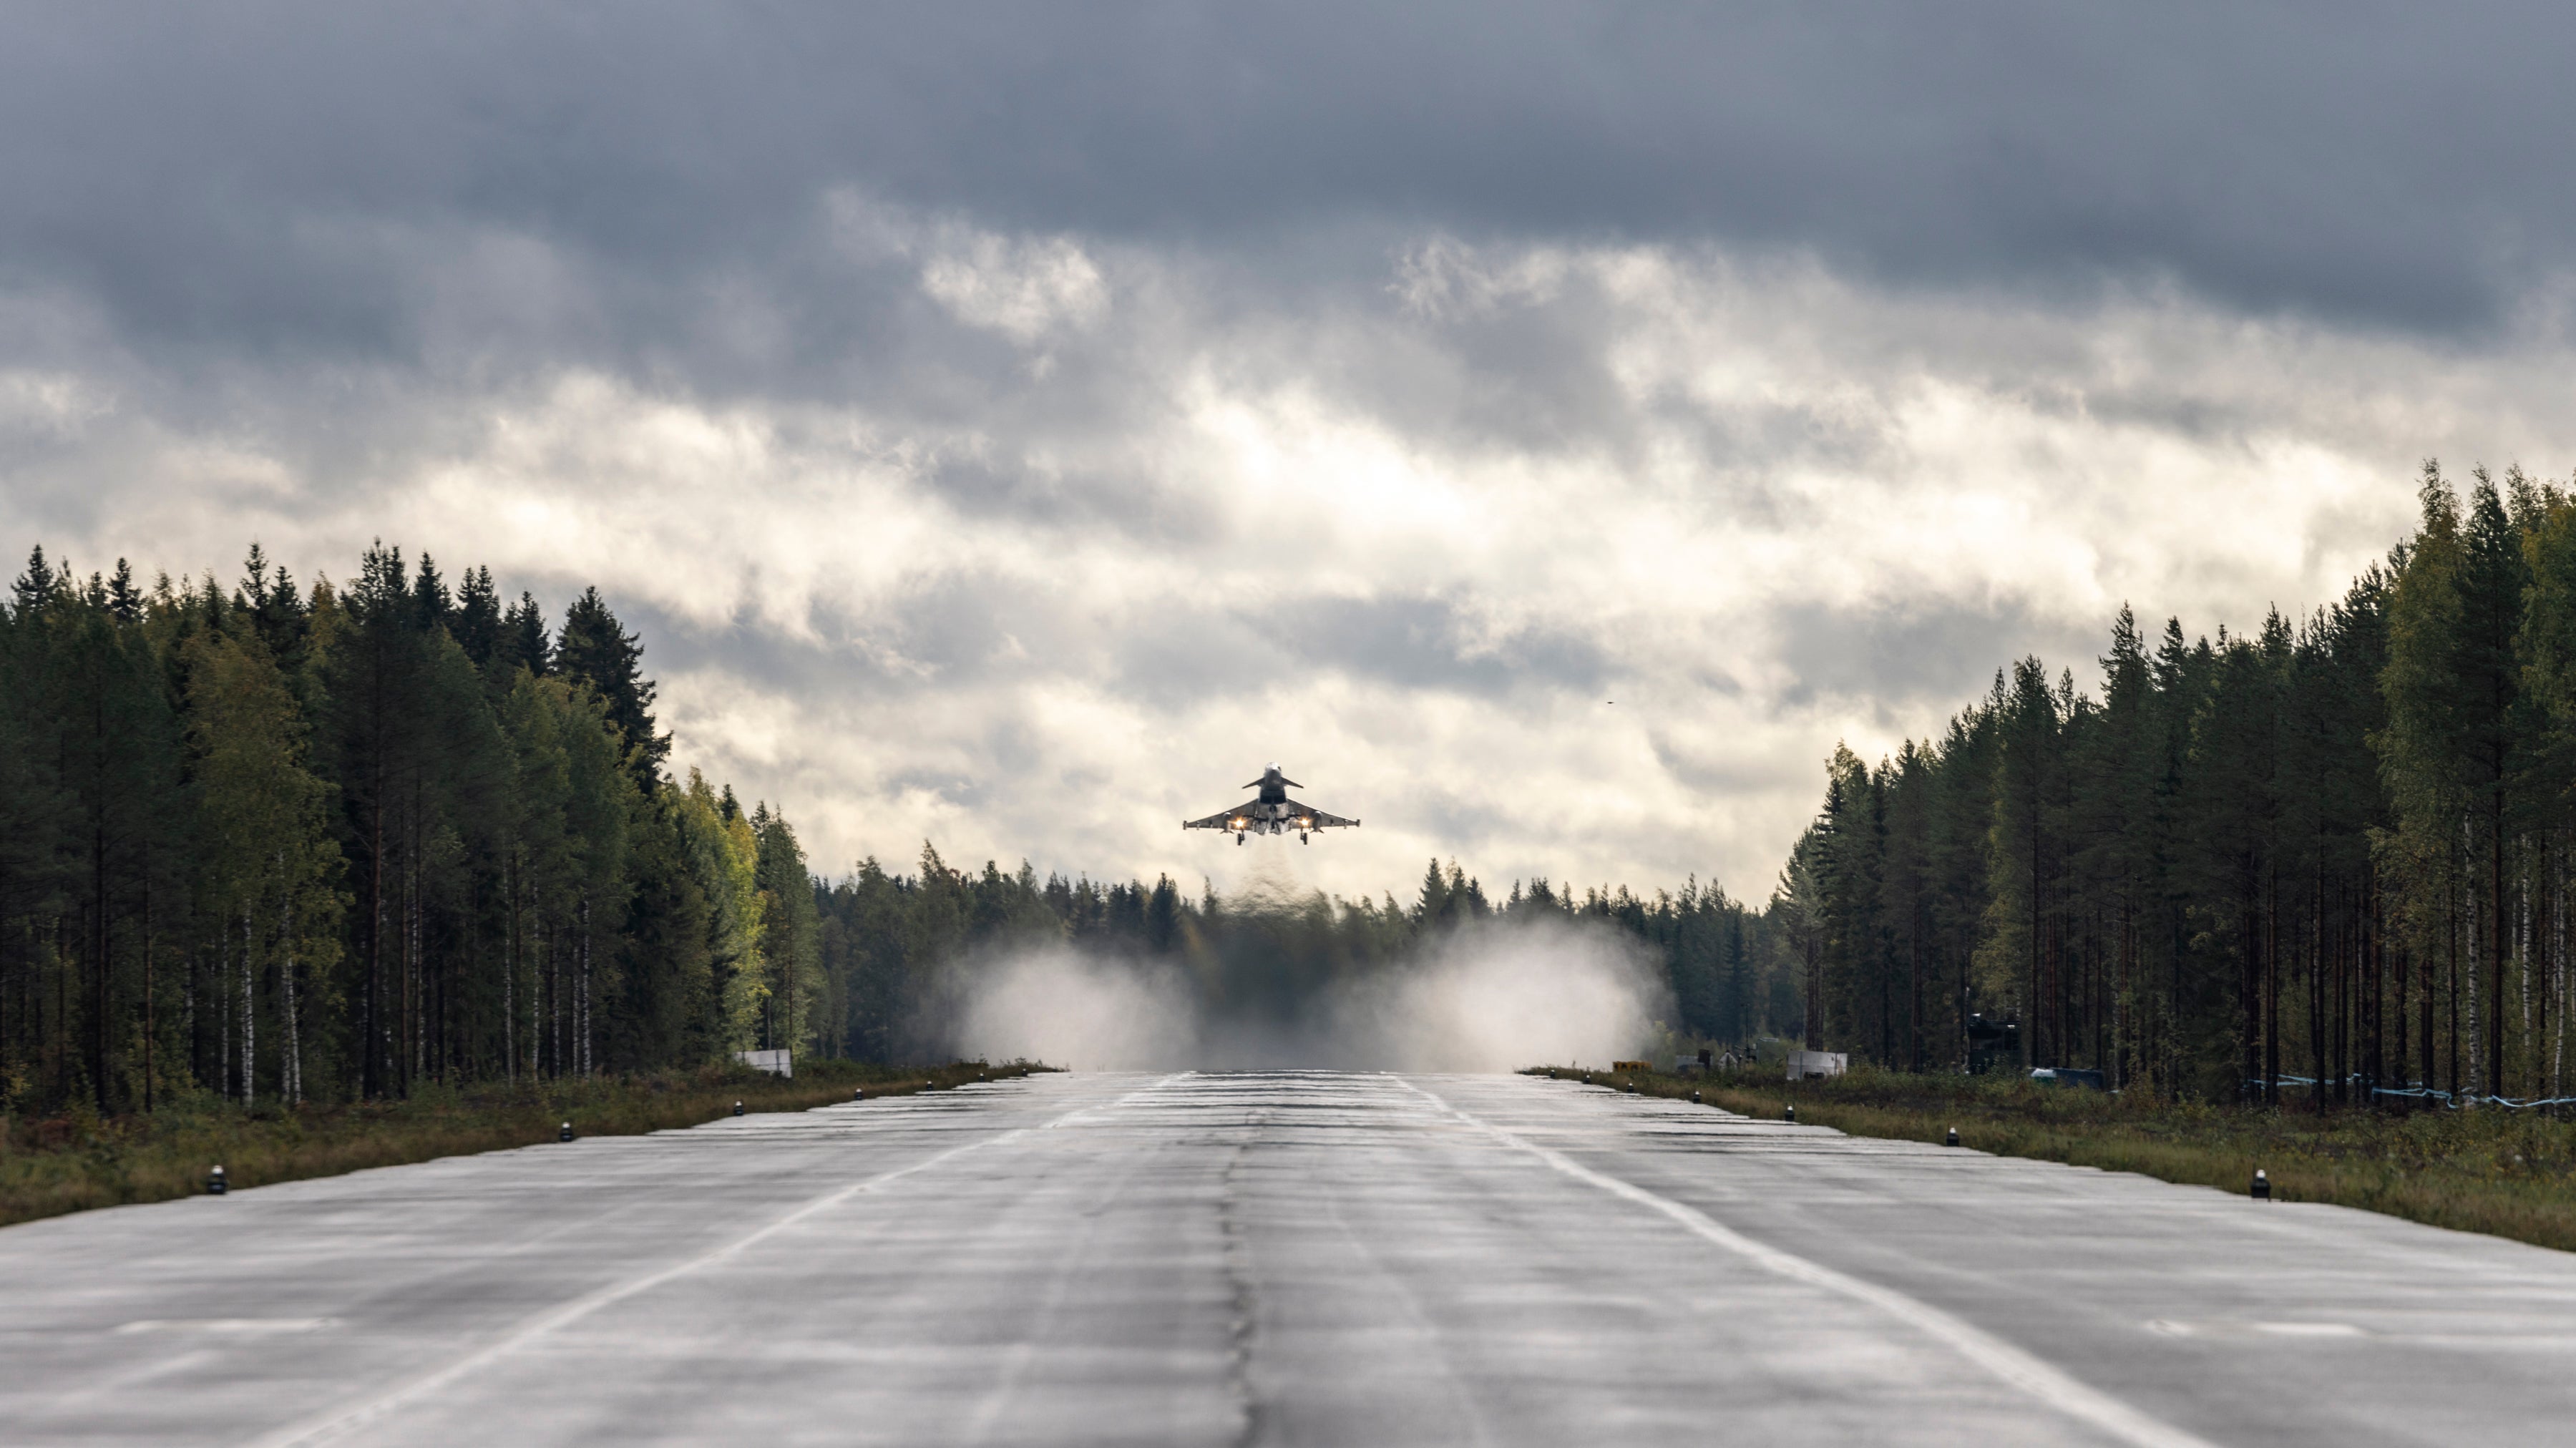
(545, 877)
(2487, 679)
(601, 803)
(476, 621)
(596, 649)
(1163, 917)
(2015, 957)
(666, 951)
(791, 931)
(523, 643)
(1431, 907)
(379, 746)
(117, 742)
(124, 600)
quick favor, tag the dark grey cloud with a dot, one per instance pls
(1080, 500)
(1188, 653)
(1424, 642)
(259, 178)
(1900, 654)
(1720, 773)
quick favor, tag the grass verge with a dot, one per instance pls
(2508, 1174)
(70, 1164)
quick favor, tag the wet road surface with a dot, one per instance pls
(1276, 1258)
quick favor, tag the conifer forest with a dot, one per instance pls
(274, 843)
(2325, 862)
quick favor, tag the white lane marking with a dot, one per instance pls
(2015, 1367)
(2242, 1329)
(241, 1326)
(332, 1424)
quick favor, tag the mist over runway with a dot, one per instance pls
(1490, 995)
(1291, 1257)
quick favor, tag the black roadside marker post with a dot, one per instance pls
(2262, 1186)
(858, 1093)
(1954, 1136)
(737, 1108)
(215, 1182)
(1694, 1096)
(1789, 1112)
(1632, 1088)
(566, 1134)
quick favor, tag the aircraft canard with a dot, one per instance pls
(1272, 813)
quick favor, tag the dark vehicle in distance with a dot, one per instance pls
(1990, 1042)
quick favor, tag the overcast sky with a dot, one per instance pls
(1545, 430)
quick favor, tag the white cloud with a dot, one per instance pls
(1021, 289)
(1026, 288)
(1441, 277)
(56, 406)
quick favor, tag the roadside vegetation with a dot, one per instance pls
(2504, 1173)
(50, 1166)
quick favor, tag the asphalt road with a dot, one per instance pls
(1282, 1258)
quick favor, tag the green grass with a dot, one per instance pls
(70, 1164)
(2506, 1173)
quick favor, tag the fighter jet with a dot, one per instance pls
(1274, 813)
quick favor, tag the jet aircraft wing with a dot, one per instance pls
(1223, 819)
(1316, 819)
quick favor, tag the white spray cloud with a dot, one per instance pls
(1060, 1006)
(1491, 997)
(1498, 997)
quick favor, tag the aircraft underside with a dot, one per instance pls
(1276, 820)
(1274, 813)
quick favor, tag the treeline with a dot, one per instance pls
(285, 844)
(2328, 859)
(1258, 959)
